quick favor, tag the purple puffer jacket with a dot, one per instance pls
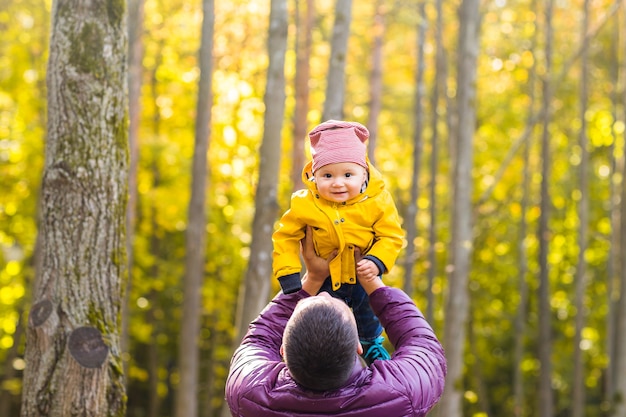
(409, 384)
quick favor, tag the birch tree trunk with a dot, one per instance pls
(154, 400)
(256, 286)
(457, 305)
(376, 80)
(439, 89)
(619, 368)
(195, 236)
(614, 236)
(418, 114)
(522, 314)
(545, 394)
(73, 356)
(135, 69)
(304, 39)
(519, 404)
(335, 81)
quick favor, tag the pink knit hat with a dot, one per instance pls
(337, 141)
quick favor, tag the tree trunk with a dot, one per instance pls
(195, 238)
(154, 400)
(457, 306)
(545, 394)
(619, 368)
(580, 278)
(418, 114)
(304, 39)
(519, 404)
(439, 90)
(135, 69)
(376, 80)
(73, 356)
(256, 286)
(335, 81)
(614, 235)
(522, 314)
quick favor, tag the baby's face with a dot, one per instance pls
(341, 181)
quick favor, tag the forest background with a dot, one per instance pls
(583, 64)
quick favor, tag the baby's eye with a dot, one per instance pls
(327, 176)
(348, 174)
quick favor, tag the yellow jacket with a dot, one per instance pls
(369, 221)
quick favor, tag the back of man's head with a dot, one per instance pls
(320, 344)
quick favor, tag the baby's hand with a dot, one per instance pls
(366, 269)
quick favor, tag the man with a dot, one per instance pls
(311, 381)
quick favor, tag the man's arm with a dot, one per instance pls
(418, 363)
(317, 269)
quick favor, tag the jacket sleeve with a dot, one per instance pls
(418, 365)
(286, 240)
(388, 232)
(259, 352)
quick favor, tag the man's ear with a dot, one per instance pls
(359, 348)
(282, 350)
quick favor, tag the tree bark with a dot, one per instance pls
(619, 368)
(195, 237)
(580, 278)
(135, 69)
(304, 39)
(73, 357)
(256, 286)
(335, 87)
(376, 80)
(418, 114)
(439, 90)
(519, 404)
(614, 235)
(457, 305)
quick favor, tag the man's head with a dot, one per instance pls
(320, 343)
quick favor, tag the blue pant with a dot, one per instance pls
(354, 295)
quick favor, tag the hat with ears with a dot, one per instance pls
(337, 141)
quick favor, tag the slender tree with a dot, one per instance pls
(135, 69)
(156, 250)
(73, 355)
(256, 286)
(376, 79)
(580, 279)
(521, 317)
(439, 90)
(614, 235)
(335, 87)
(304, 39)
(457, 305)
(418, 145)
(545, 394)
(195, 237)
(619, 368)
(522, 313)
